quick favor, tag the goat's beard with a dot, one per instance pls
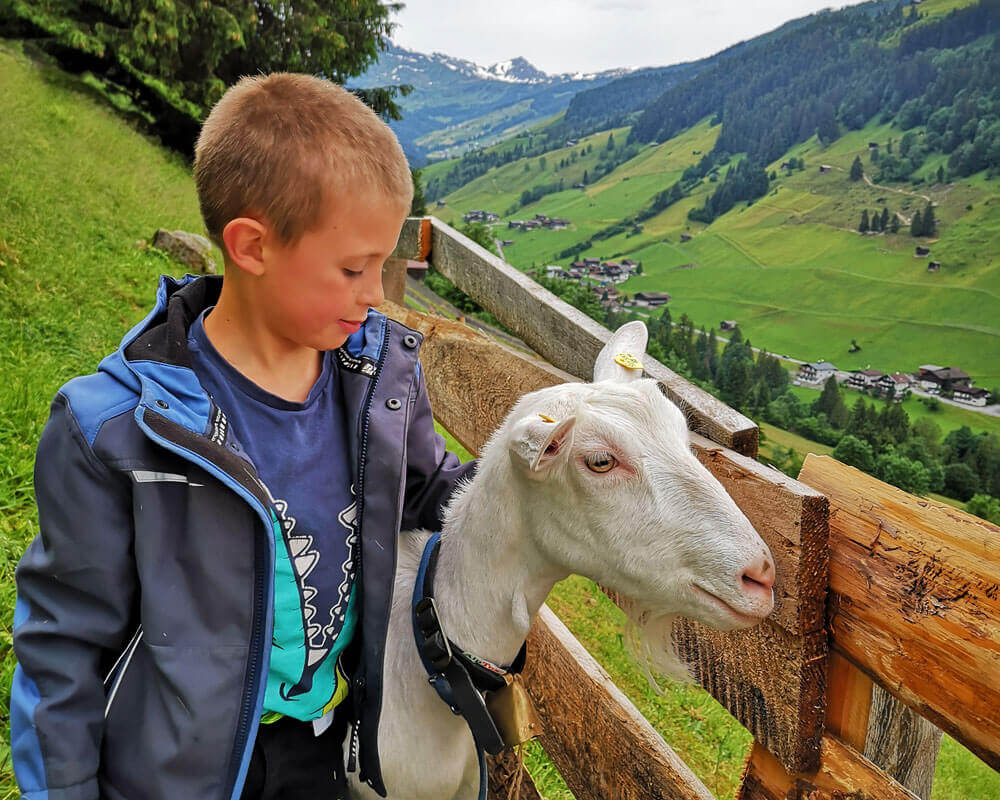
(649, 640)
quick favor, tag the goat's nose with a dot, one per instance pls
(758, 577)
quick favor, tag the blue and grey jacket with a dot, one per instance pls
(145, 606)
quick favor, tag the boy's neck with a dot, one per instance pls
(277, 366)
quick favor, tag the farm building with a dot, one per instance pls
(727, 325)
(477, 215)
(938, 380)
(864, 379)
(816, 372)
(922, 251)
(934, 266)
(894, 387)
(825, 167)
(652, 299)
(972, 395)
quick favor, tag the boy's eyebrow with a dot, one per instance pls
(376, 254)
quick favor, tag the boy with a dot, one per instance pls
(219, 504)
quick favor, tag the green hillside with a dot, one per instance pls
(791, 268)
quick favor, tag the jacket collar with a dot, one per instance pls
(154, 359)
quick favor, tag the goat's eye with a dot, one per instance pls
(601, 462)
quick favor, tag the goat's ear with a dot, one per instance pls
(537, 442)
(621, 358)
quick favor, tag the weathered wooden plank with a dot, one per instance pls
(771, 677)
(902, 743)
(892, 736)
(848, 703)
(844, 774)
(414, 240)
(394, 280)
(792, 519)
(506, 774)
(604, 748)
(565, 336)
(916, 600)
(472, 381)
(772, 681)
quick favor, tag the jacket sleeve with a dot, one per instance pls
(432, 473)
(76, 586)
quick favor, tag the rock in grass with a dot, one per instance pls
(190, 249)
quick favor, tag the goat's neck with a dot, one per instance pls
(491, 579)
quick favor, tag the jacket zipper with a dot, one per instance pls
(251, 686)
(260, 588)
(359, 685)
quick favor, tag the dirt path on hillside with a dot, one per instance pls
(890, 189)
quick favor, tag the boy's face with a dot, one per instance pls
(319, 289)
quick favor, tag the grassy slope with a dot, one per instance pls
(790, 268)
(78, 188)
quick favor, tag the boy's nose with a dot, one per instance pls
(373, 294)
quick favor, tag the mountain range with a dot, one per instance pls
(457, 105)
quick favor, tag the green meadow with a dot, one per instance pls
(791, 267)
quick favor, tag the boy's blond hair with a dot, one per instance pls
(284, 146)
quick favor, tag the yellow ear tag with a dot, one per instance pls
(547, 419)
(628, 361)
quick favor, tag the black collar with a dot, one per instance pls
(458, 677)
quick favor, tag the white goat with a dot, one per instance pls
(610, 490)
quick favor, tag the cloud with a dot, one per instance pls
(591, 35)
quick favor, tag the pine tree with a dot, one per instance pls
(916, 225)
(859, 423)
(831, 403)
(857, 169)
(611, 142)
(894, 224)
(929, 221)
(940, 174)
(586, 178)
(876, 221)
(713, 354)
(863, 226)
(884, 219)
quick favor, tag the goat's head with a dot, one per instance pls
(613, 491)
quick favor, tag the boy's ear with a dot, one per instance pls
(245, 239)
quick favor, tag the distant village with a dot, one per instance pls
(939, 381)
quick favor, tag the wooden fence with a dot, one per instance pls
(885, 602)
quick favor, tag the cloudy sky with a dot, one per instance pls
(591, 35)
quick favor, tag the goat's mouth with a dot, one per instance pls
(741, 618)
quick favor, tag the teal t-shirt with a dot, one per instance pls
(301, 455)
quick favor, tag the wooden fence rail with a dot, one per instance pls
(914, 587)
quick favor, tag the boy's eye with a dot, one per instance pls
(352, 273)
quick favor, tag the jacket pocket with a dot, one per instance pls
(114, 679)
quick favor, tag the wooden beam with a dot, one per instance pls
(566, 337)
(902, 743)
(394, 280)
(849, 698)
(915, 600)
(604, 748)
(771, 677)
(844, 774)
